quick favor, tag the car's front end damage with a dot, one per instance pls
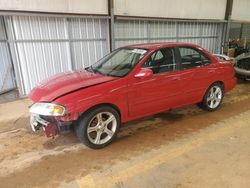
(54, 109)
(46, 116)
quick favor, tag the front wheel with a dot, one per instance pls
(98, 127)
(212, 98)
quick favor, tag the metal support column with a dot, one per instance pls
(228, 17)
(111, 24)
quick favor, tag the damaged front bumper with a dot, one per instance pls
(50, 125)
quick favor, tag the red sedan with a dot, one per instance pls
(129, 83)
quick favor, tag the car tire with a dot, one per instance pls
(213, 97)
(98, 127)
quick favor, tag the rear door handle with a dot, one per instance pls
(175, 78)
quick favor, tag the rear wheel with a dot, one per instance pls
(212, 98)
(98, 127)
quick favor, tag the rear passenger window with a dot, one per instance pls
(192, 58)
(161, 61)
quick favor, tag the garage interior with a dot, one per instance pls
(181, 148)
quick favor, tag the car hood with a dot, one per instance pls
(64, 83)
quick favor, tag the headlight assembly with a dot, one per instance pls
(47, 109)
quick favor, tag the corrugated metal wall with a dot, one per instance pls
(7, 81)
(89, 40)
(42, 46)
(47, 45)
(206, 34)
(130, 32)
(234, 31)
(246, 32)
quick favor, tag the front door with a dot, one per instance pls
(158, 92)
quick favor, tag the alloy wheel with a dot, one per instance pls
(214, 97)
(101, 128)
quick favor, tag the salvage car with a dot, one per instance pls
(242, 66)
(129, 83)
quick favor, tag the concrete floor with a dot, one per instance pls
(9, 96)
(183, 148)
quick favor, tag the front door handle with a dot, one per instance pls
(211, 71)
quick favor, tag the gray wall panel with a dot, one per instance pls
(49, 45)
(62, 6)
(185, 9)
(43, 46)
(246, 32)
(93, 43)
(206, 34)
(162, 29)
(38, 61)
(7, 81)
(2, 30)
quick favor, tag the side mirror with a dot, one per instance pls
(144, 73)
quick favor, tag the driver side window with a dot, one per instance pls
(161, 61)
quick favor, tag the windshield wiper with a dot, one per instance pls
(90, 69)
(112, 75)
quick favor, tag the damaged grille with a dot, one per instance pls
(50, 119)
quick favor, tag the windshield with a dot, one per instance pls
(119, 62)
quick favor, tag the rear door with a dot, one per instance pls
(197, 74)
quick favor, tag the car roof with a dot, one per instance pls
(154, 46)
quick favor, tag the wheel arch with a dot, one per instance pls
(81, 126)
(202, 103)
(216, 82)
(115, 107)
